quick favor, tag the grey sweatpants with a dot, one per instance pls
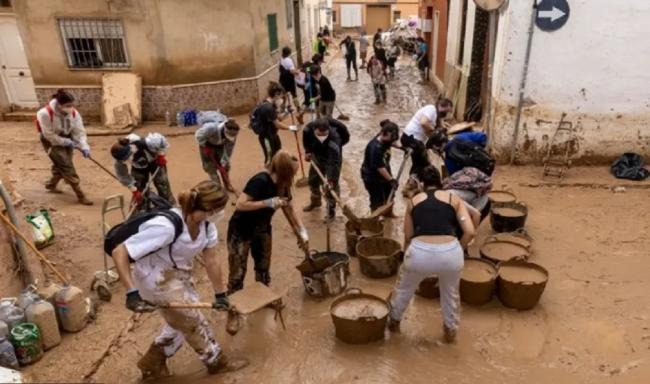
(422, 260)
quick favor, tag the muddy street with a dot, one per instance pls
(592, 324)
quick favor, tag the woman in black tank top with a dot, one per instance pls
(431, 222)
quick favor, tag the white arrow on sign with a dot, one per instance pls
(553, 14)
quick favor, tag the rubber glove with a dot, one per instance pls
(161, 160)
(85, 153)
(135, 303)
(221, 302)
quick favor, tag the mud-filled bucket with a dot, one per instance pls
(520, 283)
(329, 281)
(367, 228)
(501, 196)
(379, 257)
(477, 281)
(498, 251)
(358, 317)
(508, 217)
(519, 236)
(429, 288)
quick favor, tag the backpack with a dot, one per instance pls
(255, 120)
(121, 232)
(469, 154)
(50, 112)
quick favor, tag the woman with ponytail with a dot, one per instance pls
(62, 130)
(250, 226)
(162, 273)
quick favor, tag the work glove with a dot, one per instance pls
(137, 196)
(67, 143)
(331, 184)
(275, 202)
(304, 236)
(308, 157)
(221, 302)
(161, 160)
(293, 128)
(312, 101)
(394, 184)
(85, 153)
(136, 304)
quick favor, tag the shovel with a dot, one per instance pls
(304, 181)
(342, 116)
(309, 265)
(346, 210)
(134, 204)
(102, 167)
(389, 204)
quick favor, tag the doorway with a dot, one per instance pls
(377, 16)
(14, 71)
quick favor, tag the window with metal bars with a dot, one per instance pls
(94, 43)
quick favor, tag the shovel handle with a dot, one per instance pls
(407, 154)
(303, 245)
(102, 167)
(322, 177)
(34, 249)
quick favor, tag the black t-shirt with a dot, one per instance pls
(259, 187)
(377, 156)
(327, 93)
(268, 114)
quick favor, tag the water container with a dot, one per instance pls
(8, 357)
(179, 119)
(71, 308)
(168, 118)
(42, 313)
(10, 313)
(48, 293)
(26, 297)
(4, 329)
(26, 339)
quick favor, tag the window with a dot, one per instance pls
(334, 16)
(350, 15)
(272, 24)
(463, 26)
(94, 43)
(397, 15)
(289, 12)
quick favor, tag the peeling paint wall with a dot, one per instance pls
(595, 69)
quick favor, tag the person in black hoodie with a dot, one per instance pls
(375, 170)
(323, 140)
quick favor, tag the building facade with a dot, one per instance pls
(200, 54)
(369, 15)
(594, 69)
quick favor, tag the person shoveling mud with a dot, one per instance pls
(163, 249)
(217, 137)
(375, 170)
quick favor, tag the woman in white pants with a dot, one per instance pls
(430, 224)
(162, 273)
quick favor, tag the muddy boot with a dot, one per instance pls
(233, 323)
(393, 325)
(263, 277)
(377, 101)
(223, 364)
(331, 213)
(449, 335)
(153, 364)
(313, 204)
(51, 185)
(81, 197)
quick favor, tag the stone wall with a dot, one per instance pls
(88, 100)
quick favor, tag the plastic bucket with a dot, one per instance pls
(332, 280)
(497, 251)
(521, 284)
(429, 288)
(508, 217)
(477, 282)
(358, 317)
(379, 257)
(369, 228)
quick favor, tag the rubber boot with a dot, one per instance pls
(223, 364)
(313, 204)
(331, 213)
(449, 335)
(51, 185)
(153, 364)
(81, 197)
(393, 325)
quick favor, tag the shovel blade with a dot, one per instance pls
(381, 211)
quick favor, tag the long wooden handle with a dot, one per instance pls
(33, 248)
(103, 168)
(399, 173)
(331, 191)
(296, 232)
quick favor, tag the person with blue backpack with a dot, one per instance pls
(162, 245)
(265, 121)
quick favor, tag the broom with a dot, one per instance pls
(342, 116)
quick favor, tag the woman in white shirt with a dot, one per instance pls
(162, 273)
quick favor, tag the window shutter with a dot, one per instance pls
(272, 22)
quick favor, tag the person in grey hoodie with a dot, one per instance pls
(216, 137)
(62, 130)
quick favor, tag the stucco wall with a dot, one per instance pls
(595, 69)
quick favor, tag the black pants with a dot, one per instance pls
(419, 158)
(351, 62)
(271, 145)
(378, 191)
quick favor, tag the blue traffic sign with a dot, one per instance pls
(552, 14)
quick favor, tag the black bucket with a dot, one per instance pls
(508, 217)
(330, 281)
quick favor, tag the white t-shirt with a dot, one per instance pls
(363, 44)
(150, 246)
(287, 63)
(415, 129)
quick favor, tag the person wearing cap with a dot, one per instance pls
(62, 130)
(216, 137)
(148, 158)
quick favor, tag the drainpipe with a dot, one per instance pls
(522, 87)
(296, 31)
(26, 275)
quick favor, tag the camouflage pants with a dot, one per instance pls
(220, 156)
(142, 176)
(259, 246)
(315, 183)
(62, 165)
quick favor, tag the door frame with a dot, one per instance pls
(5, 82)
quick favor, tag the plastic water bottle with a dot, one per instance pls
(10, 313)
(168, 118)
(179, 118)
(8, 357)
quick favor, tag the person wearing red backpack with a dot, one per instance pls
(62, 130)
